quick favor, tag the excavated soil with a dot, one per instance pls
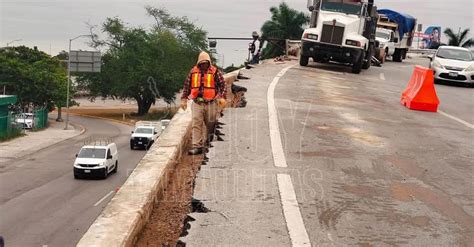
(170, 214)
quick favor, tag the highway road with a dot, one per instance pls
(324, 157)
(41, 204)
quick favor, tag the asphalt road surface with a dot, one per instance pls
(40, 201)
(346, 164)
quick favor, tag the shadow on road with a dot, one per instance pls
(454, 84)
(333, 67)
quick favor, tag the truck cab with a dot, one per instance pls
(341, 31)
(386, 39)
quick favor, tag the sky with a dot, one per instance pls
(49, 24)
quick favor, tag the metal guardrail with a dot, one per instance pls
(422, 51)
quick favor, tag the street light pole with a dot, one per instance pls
(69, 78)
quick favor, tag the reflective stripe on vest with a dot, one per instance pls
(195, 80)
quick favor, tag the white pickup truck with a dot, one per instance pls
(144, 135)
(385, 37)
(395, 32)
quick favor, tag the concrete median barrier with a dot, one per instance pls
(121, 222)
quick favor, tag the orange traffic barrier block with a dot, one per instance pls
(420, 93)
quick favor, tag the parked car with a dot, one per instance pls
(26, 120)
(455, 64)
(144, 135)
(96, 161)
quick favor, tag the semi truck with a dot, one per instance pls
(395, 32)
(342, 31)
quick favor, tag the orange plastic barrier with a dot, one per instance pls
(420, 93)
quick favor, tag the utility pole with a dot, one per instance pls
(66, 125)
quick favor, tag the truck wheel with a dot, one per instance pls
(106, 173)
(304, 60)
(397, 56)
(116, 167)
(132, 147)
(366, 64)
(357, 66)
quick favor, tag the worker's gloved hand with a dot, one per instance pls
(222, 103)
(184, 104)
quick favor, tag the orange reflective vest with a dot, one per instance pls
(204, 83)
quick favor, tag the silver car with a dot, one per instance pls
(455, 64)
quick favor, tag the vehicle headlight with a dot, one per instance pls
(311, 36)
(437, 64)
(470, 68)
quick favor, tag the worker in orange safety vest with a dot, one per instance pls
(205, 86)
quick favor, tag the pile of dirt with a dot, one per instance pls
(169, 216)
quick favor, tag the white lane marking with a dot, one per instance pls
(103, 198)
(277, 147)
(382, 76)
(457, 119)
(291, 211)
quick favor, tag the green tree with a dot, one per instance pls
(285, 23)
(145, 65)
(458, 39)
(36, 78)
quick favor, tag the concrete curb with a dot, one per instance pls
(76, 125)
(129, 210)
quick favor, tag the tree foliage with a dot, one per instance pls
(36, 78)
(285, 23)
(142, 64)
(459, 39)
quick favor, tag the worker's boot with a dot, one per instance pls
(195, 151)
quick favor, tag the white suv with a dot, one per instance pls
(96, 160)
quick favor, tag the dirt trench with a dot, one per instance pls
(170, 214)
